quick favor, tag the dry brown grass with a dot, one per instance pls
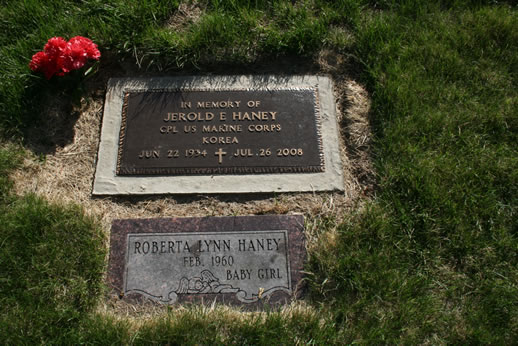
(138, 315)
(66, 174)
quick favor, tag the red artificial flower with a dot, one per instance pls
(56, 46)
(90, 48)
(38, 60)
(60, 57)
(76, 56)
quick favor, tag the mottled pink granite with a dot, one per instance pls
(296, 254)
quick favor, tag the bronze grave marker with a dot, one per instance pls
(175, 132)
(218, 134)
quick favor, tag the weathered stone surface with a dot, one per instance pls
(191, 135)
(246, 260)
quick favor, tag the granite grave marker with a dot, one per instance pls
(246, 260)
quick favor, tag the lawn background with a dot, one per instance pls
(432, 258)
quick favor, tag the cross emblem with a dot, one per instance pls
(220, 153)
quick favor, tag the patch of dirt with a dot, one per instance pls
(66, 174)
(187, 14)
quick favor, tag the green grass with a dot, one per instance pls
(51, 267)
(433, 258)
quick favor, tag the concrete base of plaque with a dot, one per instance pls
(247, 260)
(224, 134)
